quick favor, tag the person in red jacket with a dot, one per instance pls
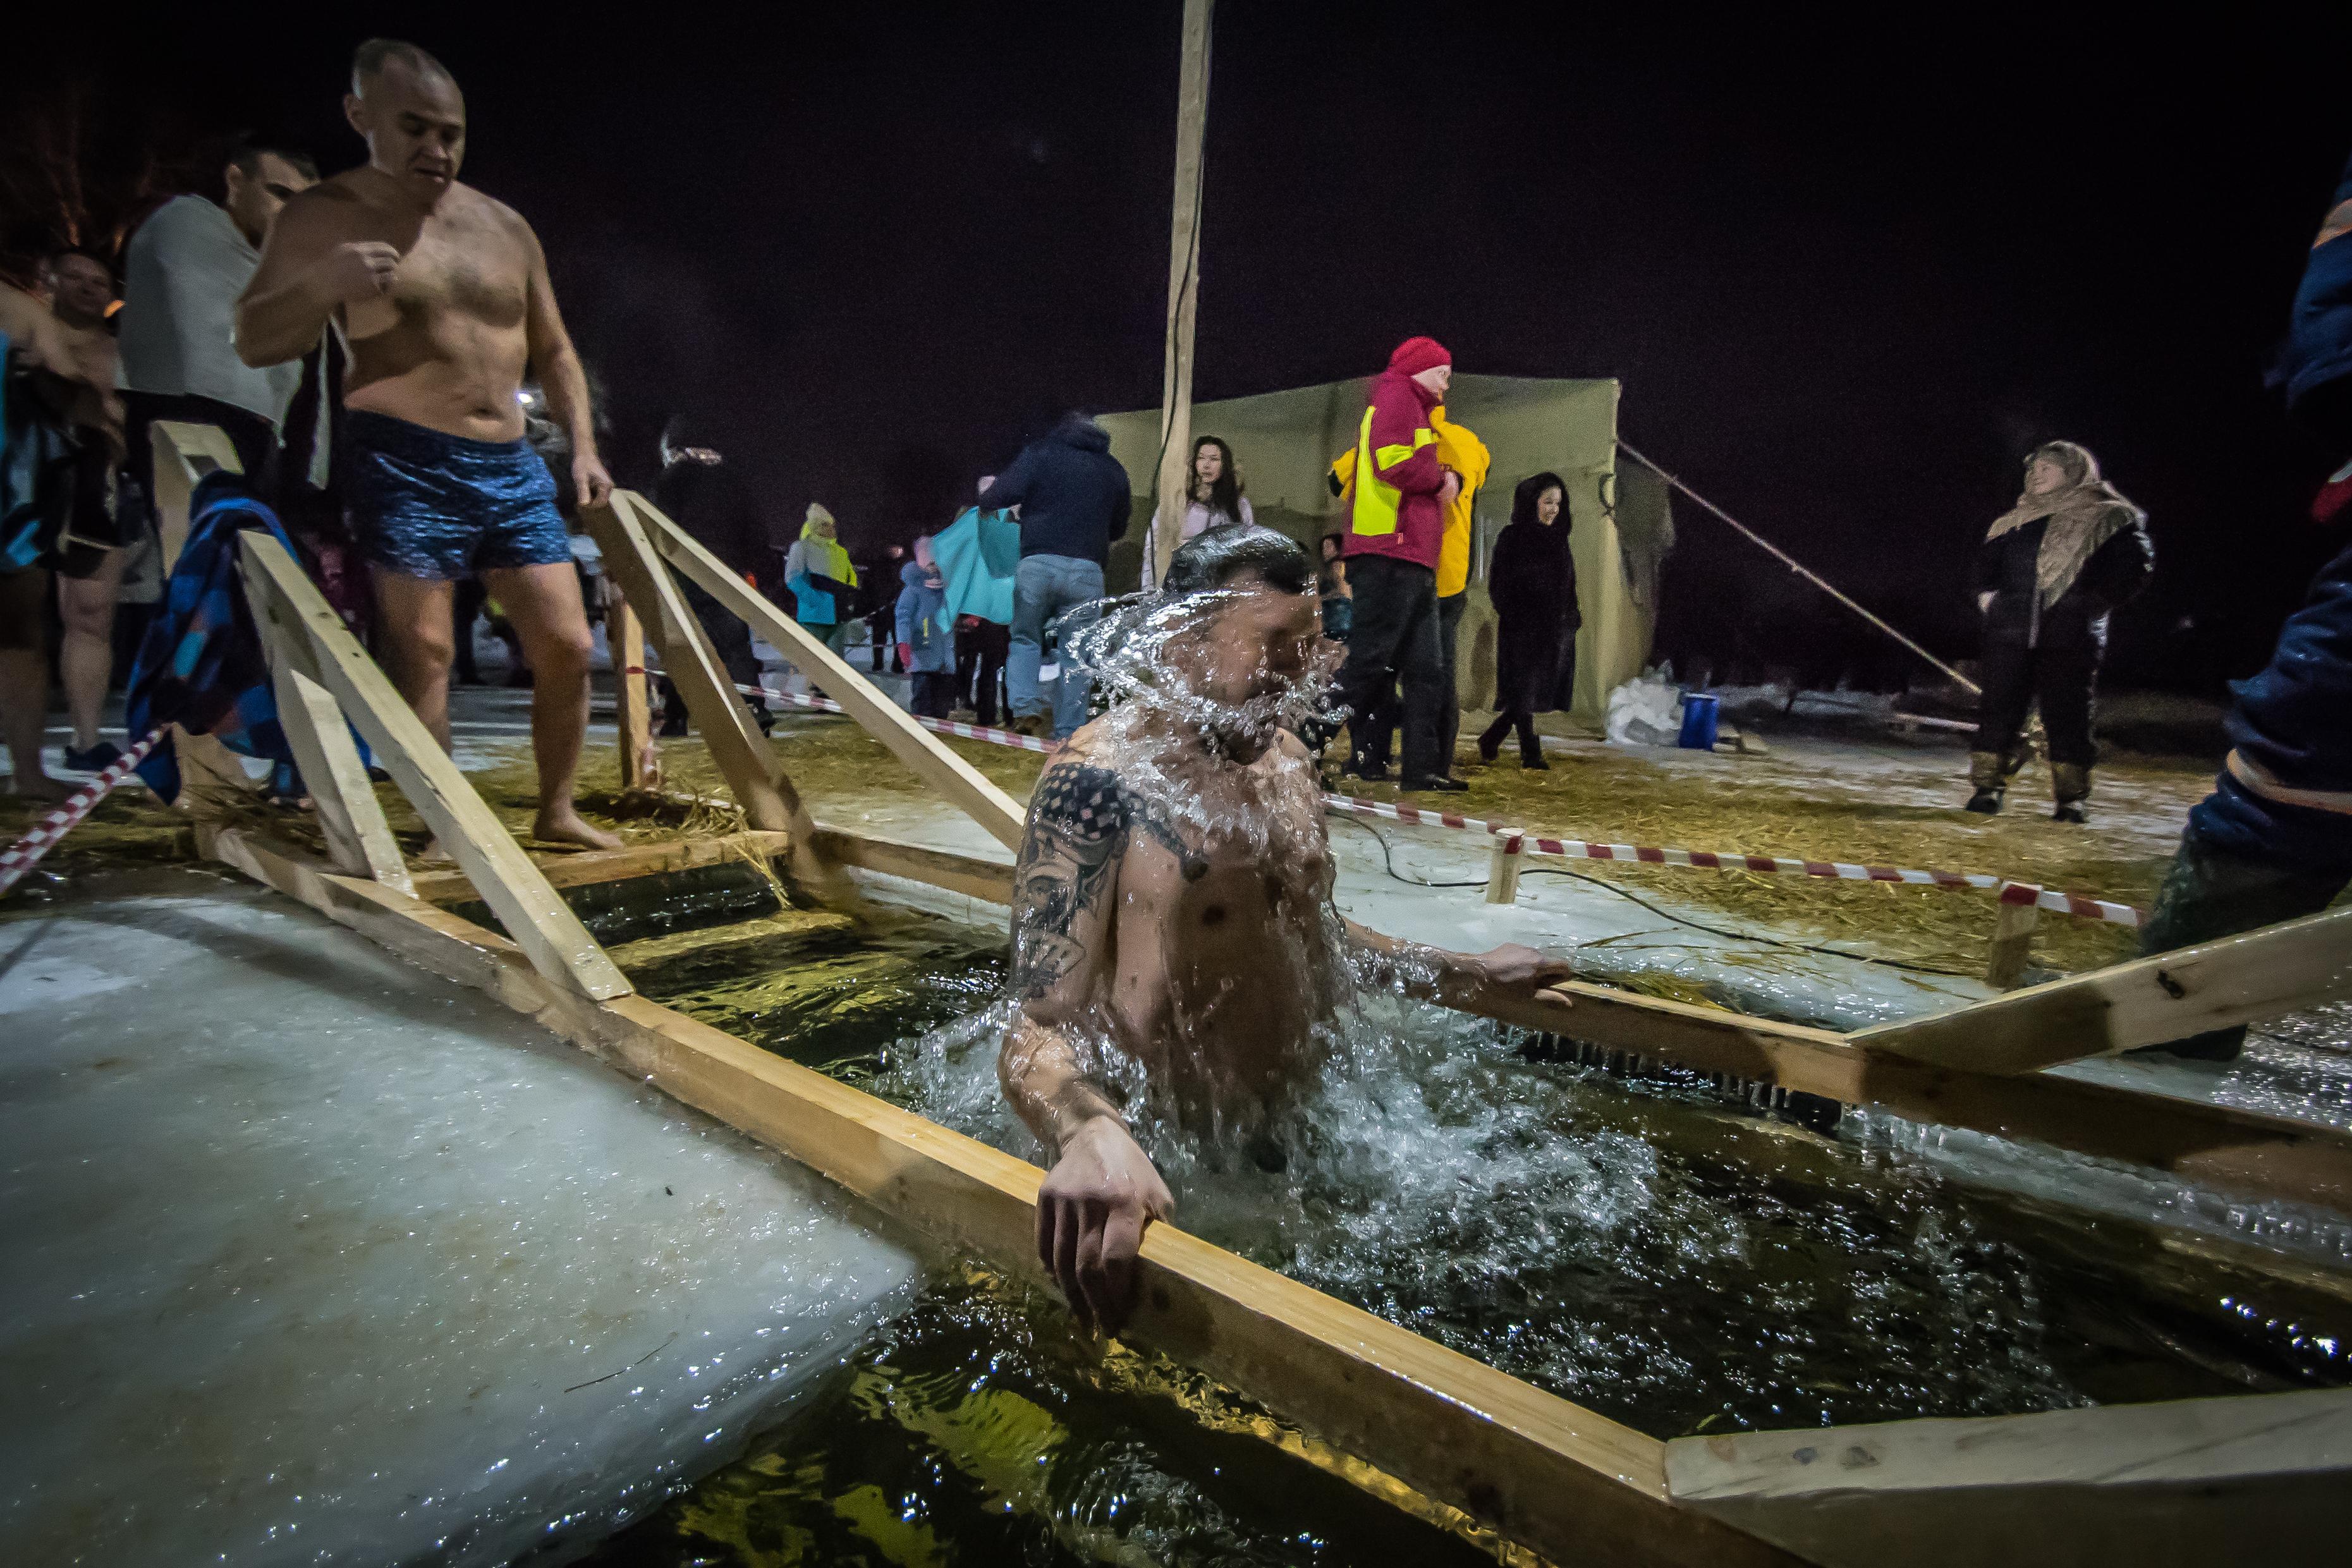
(1398, 516)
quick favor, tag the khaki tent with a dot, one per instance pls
(1284, 444)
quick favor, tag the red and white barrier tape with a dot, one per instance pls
(21, 856)
(1708, 860)
(2010, 892)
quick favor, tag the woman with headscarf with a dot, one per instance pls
(1532, 581)
(817, 571)
(1215, 499)
(2049, 571)
(925, 639)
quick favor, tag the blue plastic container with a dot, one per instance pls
(1699, 720)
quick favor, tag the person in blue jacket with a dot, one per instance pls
(824, 583)
(925, 636)
(2273, 840)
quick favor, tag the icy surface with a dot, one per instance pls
(313, 1257)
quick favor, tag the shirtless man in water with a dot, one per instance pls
(444, 294)
(1206, 954)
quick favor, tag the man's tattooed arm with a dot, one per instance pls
(1062, 884)
(1063, 888)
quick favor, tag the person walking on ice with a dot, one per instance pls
(444, 294)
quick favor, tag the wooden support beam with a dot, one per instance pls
(2012, 938)
(2251, 1478)
(744, 760)
(183, 454)
(2170, 996)
(990, 881)
(557, 944)
(885, 720)
(359, 840)
(634, 713)
(622, 865)
(760, 786)
(1563, 1480)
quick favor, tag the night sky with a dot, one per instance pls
(1848, 272)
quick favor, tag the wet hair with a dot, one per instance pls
(1530, 491)
(1225, 490)
(245, 155)
(370, 58)
(1214, 556)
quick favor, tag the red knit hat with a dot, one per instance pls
(1415, 355)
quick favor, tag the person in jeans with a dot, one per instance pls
(1074, 499)
(1396, 522)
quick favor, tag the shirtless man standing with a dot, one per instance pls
(444, 295)
(1198, 940)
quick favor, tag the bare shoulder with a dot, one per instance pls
(484, 210)
(1292, 749)
(327, 213)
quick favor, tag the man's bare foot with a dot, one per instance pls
(567, 826)
(41, 787)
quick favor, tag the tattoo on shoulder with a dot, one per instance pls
(1080, 820)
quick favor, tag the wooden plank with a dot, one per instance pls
(501, 872)
(885, 720)
(988, 879)
(743, 754)
(634, 713)
(2240, 1151)
(183, 454)
(744, 762)
(1503, 862)
(359, 840)
(622, 865)
(1536, 1469)
(2171, 995)
(2252, 1478)
(2013, 942)
(2237, 1150)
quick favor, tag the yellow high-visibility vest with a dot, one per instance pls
(1377, 500)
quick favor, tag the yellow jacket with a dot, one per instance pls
(1459, 449)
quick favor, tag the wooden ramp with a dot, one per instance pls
(1540, 1470)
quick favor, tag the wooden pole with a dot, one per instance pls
(2013, 937)
(632, 712)
(1175, 477)
(1503, 866)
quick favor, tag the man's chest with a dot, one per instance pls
(460, 266)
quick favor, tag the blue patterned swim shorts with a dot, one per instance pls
(441, 508)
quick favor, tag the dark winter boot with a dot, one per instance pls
(2071, 784)
(1985, 773)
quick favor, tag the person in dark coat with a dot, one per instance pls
(2051, 570)
(1532, 581)
(1074, 499)
(2274, 839)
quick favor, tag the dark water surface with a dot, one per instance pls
(1642, 1248)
